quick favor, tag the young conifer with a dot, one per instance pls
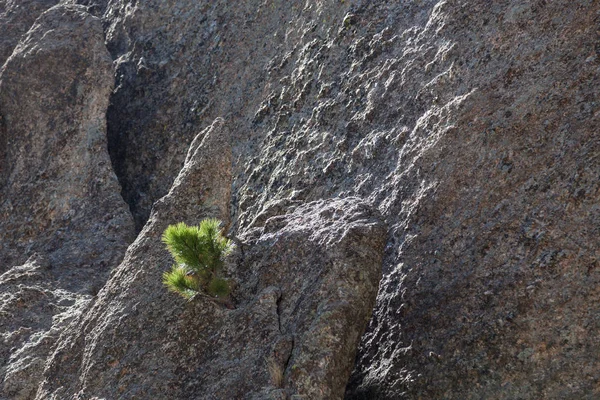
(199, 252)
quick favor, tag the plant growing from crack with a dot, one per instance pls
(199, 253)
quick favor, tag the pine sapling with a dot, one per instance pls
(199, 253)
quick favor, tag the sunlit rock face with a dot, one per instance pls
(304, 288)
(464, 131)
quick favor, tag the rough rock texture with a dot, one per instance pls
(34, 311)
(181, 64)
(59, 198)
(16, 17)
(306, 285)
(471, 127)
(59, 195)
(324, 263)
(163, 69)
(492, 286)
(135, 340)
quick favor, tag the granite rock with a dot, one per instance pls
(470, 127)
(16, 18)
(63, 223)
(305, 285)
(60, 196)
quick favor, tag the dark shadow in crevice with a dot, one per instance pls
(121, 132)
(372, 392)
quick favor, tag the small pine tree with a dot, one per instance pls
(199, 252)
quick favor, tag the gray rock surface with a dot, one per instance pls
(324, 262)
(470, 126)
(34, 311)
(16, 17)
(59, 198)
(181, 64)
(138, 340)
(495, 251)
(305, 288)
(163, 53)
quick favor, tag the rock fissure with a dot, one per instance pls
(279, 310)
(286, 364)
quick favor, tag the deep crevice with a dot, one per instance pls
(279, 312)
(120, 132)
(281, 331)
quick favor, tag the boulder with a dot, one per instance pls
(63, 222)
(60, 196)
(304, 288)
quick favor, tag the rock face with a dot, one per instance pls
(496, 257)
(34, 312)
(134, 341)
(470, 127)
(181, 64)
(306, 285)
(60, 195)
(16, 17)
(320, 265)
(163, 73)
(59, 199)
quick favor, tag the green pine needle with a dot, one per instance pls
(218, 287)
(179, 281)
(199, 252)
(184, 243)
(198, 247)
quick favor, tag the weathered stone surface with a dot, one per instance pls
(135, 342)
(470, 126)
(33, 313)
(16, 17)
(420, 107)
(496, 255)
(59, 198)
(306, 285)
(324, 262)
(163, 53)
(181, 64)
